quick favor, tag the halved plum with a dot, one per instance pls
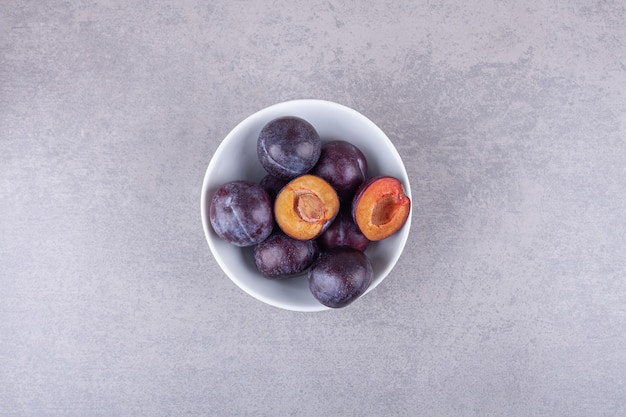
(380, 207)
(305, 207)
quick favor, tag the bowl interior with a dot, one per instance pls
(236, 159)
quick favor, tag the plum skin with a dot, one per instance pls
(240, 213)
(343, 165)
(272, 185)
(280, 256)
(343, 231)
(288, 147)
(340, 276)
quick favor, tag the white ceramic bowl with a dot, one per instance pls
(236, 159)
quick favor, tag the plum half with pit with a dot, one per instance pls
(305, 207)
(343, 165)
(241, 213)
(280, 256)
(288, 147)
(340, 276)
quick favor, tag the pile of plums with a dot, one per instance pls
(314, 212)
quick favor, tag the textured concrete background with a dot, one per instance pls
(510, 299)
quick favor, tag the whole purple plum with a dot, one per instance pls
(241, 213)
(288, 147)
(340, 276)
(343, 231)
(343, 165)
(280, 256)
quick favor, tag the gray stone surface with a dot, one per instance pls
(509, 300)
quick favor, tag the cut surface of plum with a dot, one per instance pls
(305, 207)
(380, 207)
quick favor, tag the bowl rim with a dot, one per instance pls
(242, 125)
